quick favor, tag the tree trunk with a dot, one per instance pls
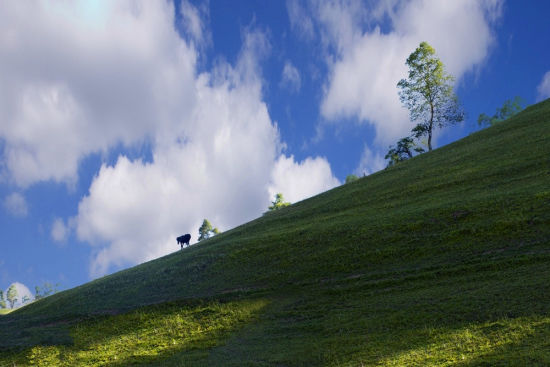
(430, 128)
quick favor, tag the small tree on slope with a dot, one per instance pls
(12, 295)
(206, 230)
(279, 202)
(508, 109)
(2, 300)
(403, 151)
(351, 178)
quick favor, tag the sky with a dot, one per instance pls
(124, 124)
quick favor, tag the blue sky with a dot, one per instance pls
(124, 124)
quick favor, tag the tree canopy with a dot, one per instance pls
(12, 295)
(206, 230)
(428, 93)
(279, 202)
(351, 178)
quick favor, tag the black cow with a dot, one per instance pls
(184, 240)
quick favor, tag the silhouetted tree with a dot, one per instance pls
(428, 93)
(403, 151)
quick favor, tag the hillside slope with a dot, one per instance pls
(441, 260)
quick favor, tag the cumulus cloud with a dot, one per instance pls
(291, 77)
(132, 78)
(300, 180)
(543, 88)
(365, 65)
(16, 205)
(370, 162)
(218, 171)
(81, 77)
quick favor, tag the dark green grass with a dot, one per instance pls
(441, 260)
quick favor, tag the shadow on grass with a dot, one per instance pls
(482, 318)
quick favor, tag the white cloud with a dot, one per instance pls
(16, 205)
(219, 173)
(340, 22)
(291, 77)
(222, 172)
(217, 165)
(60, 231)
(300, 180)
(365, 66)
(543, 88)
(300, 21)
(363, 84)
(22, 291)
(85, 77)
(370, 162)
(194, 24)
(460, 31)
(80, 77)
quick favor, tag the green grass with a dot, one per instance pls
(443, 260)
(171, 331)
(4, 311)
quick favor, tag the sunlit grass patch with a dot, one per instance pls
(4, 311)
(504, 342)
(146, 335)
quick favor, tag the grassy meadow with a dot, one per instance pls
(443, 260)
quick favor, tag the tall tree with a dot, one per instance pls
(510, 108)
(206, 230)
(2, 300)
(278, 203)
(12, 295)
(428, 93)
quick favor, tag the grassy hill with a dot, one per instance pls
(442, 260)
